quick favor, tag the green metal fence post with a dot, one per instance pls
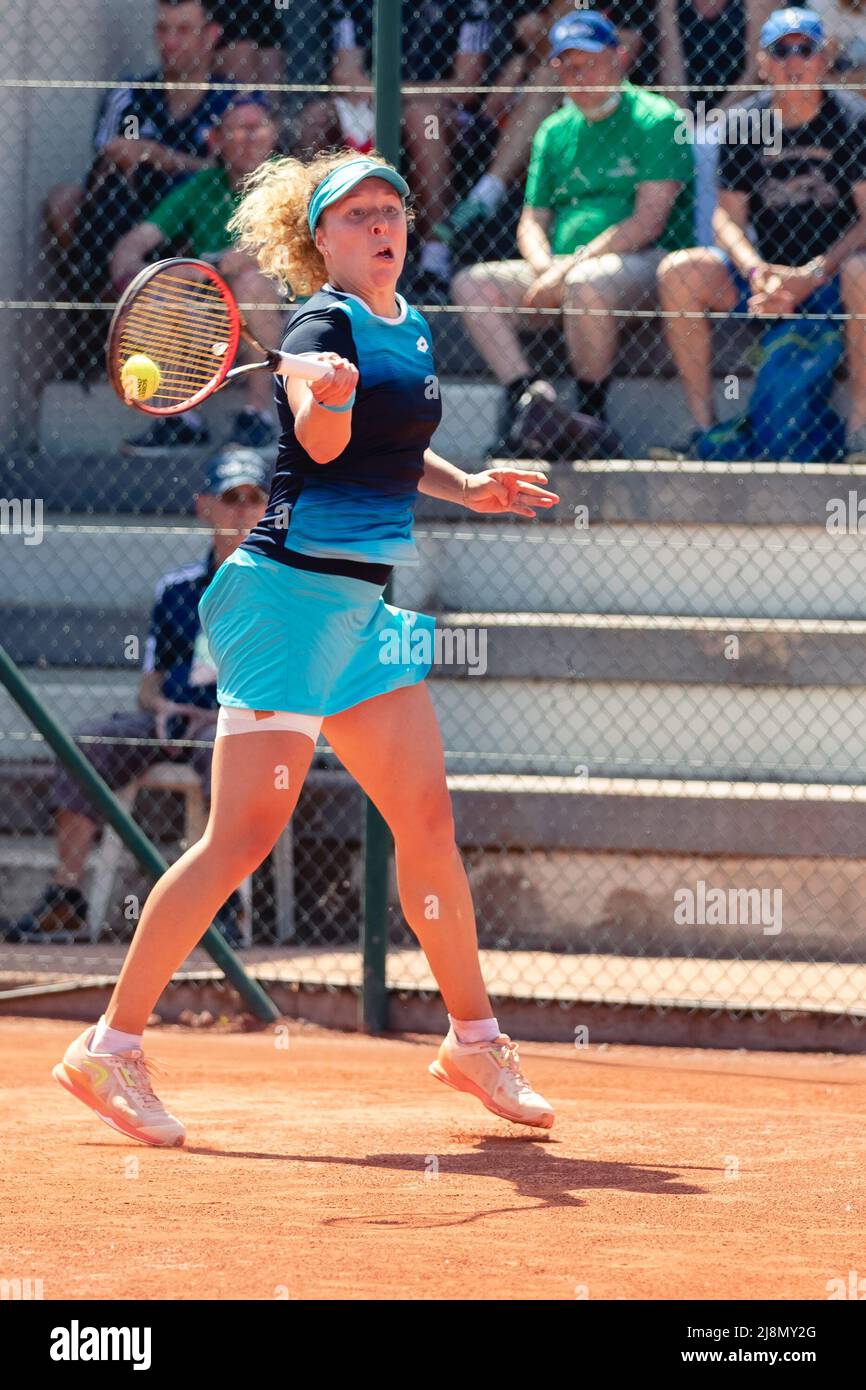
(132, 836)
(377, 839)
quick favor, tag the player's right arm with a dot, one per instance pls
(324, 432)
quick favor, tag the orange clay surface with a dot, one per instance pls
(338, 1168)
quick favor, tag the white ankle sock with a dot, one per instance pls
(489, 190)
(475, 1030)
(107, 1039)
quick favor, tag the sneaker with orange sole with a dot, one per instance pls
(118, 1087)
(491, 1071)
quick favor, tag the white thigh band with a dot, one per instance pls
(252, 721)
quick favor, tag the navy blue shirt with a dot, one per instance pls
(141, 113)
(175, 644)
(433, 33)
(714, 48)
(361, 505)
(800, 200)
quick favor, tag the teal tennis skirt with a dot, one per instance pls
(307, 643)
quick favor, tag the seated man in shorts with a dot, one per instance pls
(519, 58)
(609, 193)
(176, 699)
(803, 193)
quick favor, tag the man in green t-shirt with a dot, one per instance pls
(197, 212)
(608, 194)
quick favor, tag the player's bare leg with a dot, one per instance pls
(392, 746)
(252, 799)
(255, 784)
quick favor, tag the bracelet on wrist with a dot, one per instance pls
(337, 409)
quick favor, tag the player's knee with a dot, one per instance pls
(243, 846)
(428, 825)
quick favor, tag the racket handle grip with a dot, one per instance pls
(293, 364)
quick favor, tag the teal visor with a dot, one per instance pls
(342, 180)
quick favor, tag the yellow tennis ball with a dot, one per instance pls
(140, 377)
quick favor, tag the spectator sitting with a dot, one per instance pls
(519, 57)
(176, 696)
(845, 26)
(713, 45)
(146, 140)
(444, 45)
(199, 211)
(608, 193)
(805, 199)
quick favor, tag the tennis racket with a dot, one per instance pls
(182, 315)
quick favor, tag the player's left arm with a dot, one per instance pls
(495, 490)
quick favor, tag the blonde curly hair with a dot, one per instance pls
(270, 221)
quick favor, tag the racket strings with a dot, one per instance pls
(184, 326)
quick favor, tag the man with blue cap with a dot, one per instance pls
(803, 196)
(176, 697)
(609, 191)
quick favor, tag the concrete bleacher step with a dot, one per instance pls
(89, 490)
(522, 646)
(603, 866)
(635, 727)
(685, 569)
(644, 411)
(26, 862)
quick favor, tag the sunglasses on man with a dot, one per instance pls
(803, 48)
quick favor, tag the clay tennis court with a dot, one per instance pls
(310, 1172)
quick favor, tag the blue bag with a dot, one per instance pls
(789, 416)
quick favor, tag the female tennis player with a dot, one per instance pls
(299, 631)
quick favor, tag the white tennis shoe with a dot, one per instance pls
(491, 1071)
(118, 1087)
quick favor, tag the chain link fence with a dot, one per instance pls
(649, 697)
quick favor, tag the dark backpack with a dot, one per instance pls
(789, 417)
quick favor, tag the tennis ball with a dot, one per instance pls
(140, 377)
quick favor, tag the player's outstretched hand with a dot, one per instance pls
(508, 490)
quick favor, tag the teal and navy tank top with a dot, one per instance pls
(360, 506)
